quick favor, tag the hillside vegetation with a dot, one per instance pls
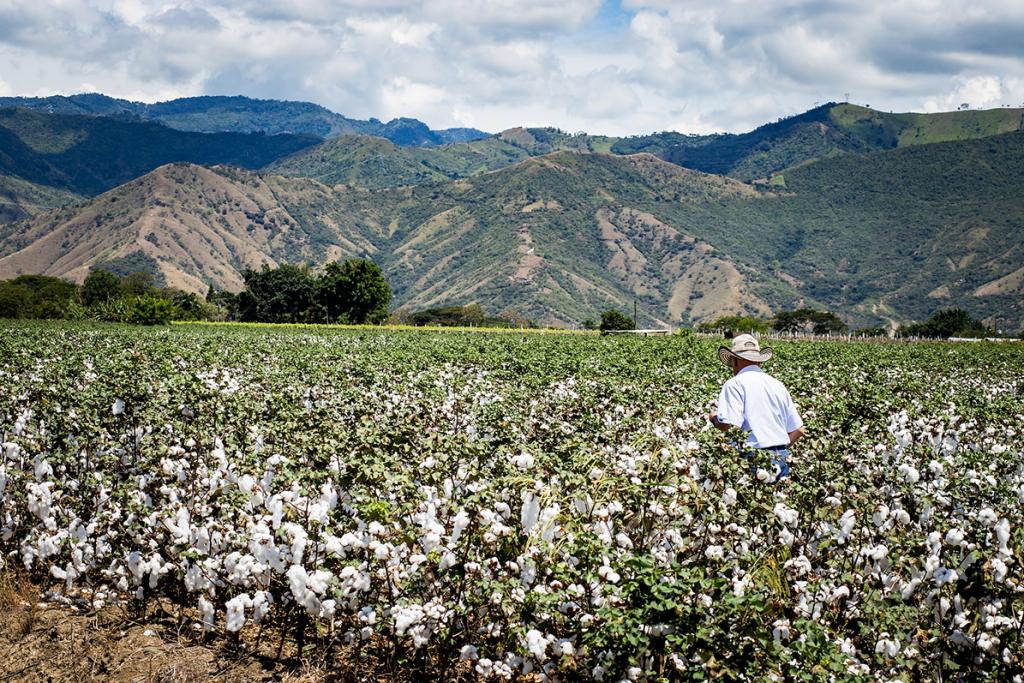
(373, 162)
(906, 231)
(21, 199)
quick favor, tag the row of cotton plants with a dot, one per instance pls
(523, 508)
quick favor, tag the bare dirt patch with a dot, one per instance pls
(51, 642)
(1008, 284)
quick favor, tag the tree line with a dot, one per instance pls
(133, 298)
(355, 292)
(943, 324)
(352, 291)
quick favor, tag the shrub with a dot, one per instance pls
(150, 310)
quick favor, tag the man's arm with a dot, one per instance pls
(795, 424)
(730, 403)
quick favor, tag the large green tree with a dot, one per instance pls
(286, 294)
(809, 320)
(100, 286)
(354, 291)
(946, 323)
(614, 319)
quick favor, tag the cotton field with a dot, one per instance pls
(509, 507)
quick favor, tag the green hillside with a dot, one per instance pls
(903, 130)
(826, 131)
(376, 163)
(556, 238)
(902, 232)
(87, 155)
(218, 114)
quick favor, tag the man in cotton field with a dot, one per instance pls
(757, 403)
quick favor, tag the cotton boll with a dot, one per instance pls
(999, 570)
(523, 461)
(729, 497)
(900, 516)
(987, 517)
(530, 511)
(536, 644)
(846, 525)
(207, 612)
(261, 603)
(987, 642)
(838, 593)
(887, 647)
(235, 612)
(955, 537)
(459, 524)
(1002, 530)
(909, 473)
(484, 667)
(780, 630)
(786, 514)
(118, 407)
(880, 515)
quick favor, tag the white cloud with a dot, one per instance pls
(977, 92)
(398, 30)
(691, 65)
(400, 95)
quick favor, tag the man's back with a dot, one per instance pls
(761, 405)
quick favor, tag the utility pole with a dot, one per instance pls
(634, 314)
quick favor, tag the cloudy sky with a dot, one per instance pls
(616, 67)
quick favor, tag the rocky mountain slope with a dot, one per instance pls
(554, 238)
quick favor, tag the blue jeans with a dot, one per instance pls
(778, 460)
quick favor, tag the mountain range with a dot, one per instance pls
(219, 114)
(879, 217)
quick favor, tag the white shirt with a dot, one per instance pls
(760, 405)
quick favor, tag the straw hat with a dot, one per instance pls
(745, 346)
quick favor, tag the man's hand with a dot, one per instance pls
(718, 424)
